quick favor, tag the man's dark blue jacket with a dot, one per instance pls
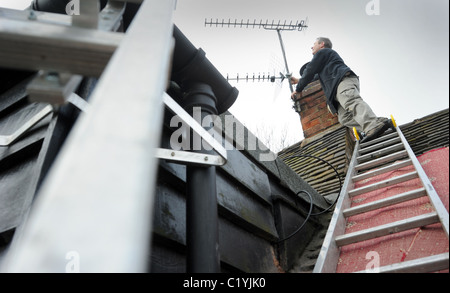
(331, 69)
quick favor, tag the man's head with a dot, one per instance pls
(321, 43)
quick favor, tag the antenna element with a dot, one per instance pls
(275, 26)
(285, 26)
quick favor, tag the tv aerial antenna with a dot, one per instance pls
(275, 76)
(279, 26)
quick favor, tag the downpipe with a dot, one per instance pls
(203, 86)
(202, 224)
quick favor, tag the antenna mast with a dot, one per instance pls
(275, 26)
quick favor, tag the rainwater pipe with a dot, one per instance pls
(203, 87)
(202, 223)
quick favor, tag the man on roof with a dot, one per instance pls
(341, 87)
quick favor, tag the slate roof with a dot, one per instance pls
(427, 133)
(334, 147)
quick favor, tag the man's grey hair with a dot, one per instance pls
(326, 41)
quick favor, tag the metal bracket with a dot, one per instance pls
(88, 14)
(189, 158)
(56, 89)
(108, 19)
(6, 140)
(78, 102)
(52, 87)
(111, 15)
(186, 157)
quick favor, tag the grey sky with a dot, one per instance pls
(401, 53)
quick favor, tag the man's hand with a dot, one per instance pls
(295, 95)
(294, 80)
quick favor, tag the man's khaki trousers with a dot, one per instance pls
(353, 111)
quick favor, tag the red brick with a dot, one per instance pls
(313, 130)
(311, 124)
(309, 112)
(314, 114)
(306, 118)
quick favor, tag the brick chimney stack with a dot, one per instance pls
(312, 108)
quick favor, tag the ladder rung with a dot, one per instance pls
(421, 265)
(385, 202)
(376, 172)
(379, 153)
(387, 229)
(55, 47)
(381, 161)
(379, 139)
(384, 183)
(380, 145)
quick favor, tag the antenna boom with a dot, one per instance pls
(285, 26)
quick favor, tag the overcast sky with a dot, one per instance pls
(400, 52)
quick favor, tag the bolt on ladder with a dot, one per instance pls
(387, 153)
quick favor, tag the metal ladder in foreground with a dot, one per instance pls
(102, 183)
(107, 169)
(384, 154)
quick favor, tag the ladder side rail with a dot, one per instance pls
(102, 183)
(329, 253)
(432, 194)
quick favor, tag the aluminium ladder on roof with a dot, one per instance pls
(133, 70)
(86, 200)
(376, 157)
